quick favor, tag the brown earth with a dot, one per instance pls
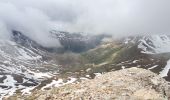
(126, 84)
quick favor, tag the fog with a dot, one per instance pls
(35, 18)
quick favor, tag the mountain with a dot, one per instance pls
(27, 66)
(148, 52)
(155, 47)
(77, 42)
(20, 61)
(155, 44)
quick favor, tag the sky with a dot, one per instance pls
(35, 18)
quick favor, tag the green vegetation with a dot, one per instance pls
(102, 54)
(95, 60)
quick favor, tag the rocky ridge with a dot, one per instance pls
(125, 84)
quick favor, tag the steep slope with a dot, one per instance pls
(155, 44)
(26, 65)
(16, 63)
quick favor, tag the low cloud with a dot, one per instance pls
(35, 18)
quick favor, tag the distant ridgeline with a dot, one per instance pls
(74, 42)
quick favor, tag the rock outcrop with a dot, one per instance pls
(126, 84)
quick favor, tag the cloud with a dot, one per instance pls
(35, 18)
(30, 21)
(125, 17)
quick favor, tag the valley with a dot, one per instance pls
(26, 66)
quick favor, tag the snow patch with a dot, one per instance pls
(58, 83)
(97, 74)
(27, 90)
(135, 61)
(9, 82)
(38, 75)
(153, 67)
(165, 71)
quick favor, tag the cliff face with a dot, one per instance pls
(126, 84)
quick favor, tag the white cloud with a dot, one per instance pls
(118, 17)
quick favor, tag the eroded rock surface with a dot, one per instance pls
(126, 84)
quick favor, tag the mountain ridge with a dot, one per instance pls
(131, 83)
(30, 66)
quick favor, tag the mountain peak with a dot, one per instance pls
(154, 44)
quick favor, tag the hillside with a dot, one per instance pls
(26, 66)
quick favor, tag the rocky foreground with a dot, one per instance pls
(126, 84)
